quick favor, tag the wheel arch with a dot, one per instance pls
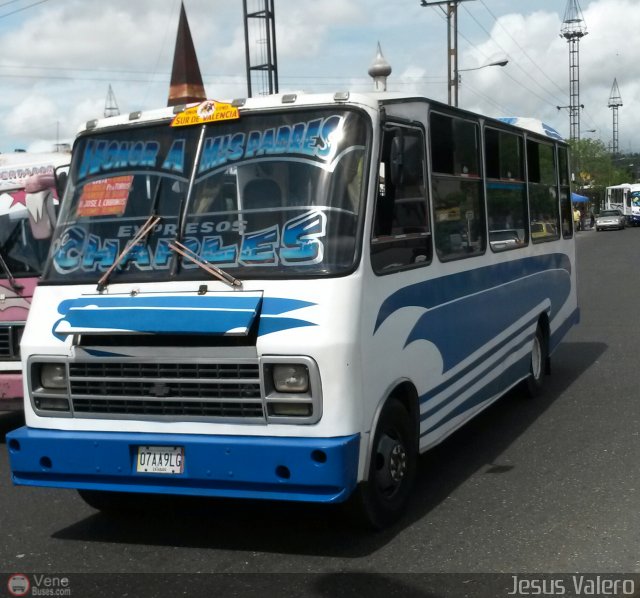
(406, 393)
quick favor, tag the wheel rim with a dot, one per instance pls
(536, 358)
(391, 464)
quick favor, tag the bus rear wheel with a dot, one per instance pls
(538, 364)
(382, 499)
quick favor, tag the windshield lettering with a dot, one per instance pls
(311, 139)
(299, 242)
(101, 156)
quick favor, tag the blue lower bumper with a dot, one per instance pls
(300, 469)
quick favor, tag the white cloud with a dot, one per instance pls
(68, 53)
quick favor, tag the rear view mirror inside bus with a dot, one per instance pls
(396, 160)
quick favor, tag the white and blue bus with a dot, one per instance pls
(626, 198)
(290, 297)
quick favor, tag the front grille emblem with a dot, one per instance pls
(159, 390)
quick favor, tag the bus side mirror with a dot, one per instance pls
(396, 160)
(61, 174)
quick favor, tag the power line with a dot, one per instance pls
(517, 64)
(490, 100)
(515, 41)
(13, 12)
(9, 2)
(519, 83)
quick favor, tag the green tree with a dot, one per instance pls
(593, 165)
(594, 168)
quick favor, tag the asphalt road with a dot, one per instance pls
(547, 485)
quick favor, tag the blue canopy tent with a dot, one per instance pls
(575, 198)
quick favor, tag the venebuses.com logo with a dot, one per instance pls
(20, 584)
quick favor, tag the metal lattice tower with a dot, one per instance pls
(110, 104)
(260, 34)
(615, 101)
(573, 30)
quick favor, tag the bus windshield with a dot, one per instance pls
(266, 196)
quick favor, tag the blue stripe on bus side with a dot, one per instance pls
(446, 289)
(481, 360)
(494, 389)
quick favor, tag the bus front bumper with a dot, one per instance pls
(297, 469)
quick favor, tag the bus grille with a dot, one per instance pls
(10, 342)
(166, 389)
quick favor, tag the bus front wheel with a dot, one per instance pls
(382, 499)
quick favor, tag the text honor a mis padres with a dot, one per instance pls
(597, 585)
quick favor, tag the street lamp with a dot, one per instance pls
(484, 66)
(476, 68)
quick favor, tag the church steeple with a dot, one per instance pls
(186, 80)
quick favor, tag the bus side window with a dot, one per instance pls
(542, 181)
(401, 231)
(457, 188)
(506, 191)
(566, 213)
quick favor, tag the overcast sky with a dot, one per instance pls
(58, 57)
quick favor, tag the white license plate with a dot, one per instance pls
(160, 459)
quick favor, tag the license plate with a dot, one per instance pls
(160, 459)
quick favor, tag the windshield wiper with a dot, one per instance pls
(12, 281)
(144, 230)
(185, 252)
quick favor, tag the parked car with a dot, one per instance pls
(543, 230)
(608, 219)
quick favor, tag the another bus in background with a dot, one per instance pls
(28, 203)
(626, 198)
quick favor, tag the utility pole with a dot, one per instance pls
(615, 101)
(573, 30)
(452, 43)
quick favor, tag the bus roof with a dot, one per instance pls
(371, 100)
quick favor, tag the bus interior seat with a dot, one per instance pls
(260, 194)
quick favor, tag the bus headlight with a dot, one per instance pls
(53, 376)
(292, 377)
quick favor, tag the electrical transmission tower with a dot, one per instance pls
(573, 30)
(260, 32)
(110, 104)
(615, 101)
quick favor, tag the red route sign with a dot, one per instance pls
(106, 197)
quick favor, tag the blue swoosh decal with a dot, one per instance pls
(481, 303)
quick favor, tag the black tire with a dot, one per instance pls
(382, 499)
(113, 503)
(538, 365)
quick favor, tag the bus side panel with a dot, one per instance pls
(464, 337)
